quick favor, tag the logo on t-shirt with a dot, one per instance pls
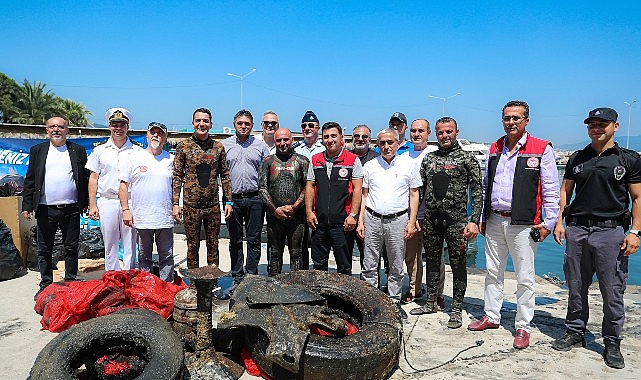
(143, 169)
(619, 172)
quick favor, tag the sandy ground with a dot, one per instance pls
(428, 342)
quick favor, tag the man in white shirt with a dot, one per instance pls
(385, 219)
(419, 135)
(104, 184)
(148, 173)
(270, 124)
(55, 190)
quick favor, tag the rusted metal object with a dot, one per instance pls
(204, 279)
(284, 312)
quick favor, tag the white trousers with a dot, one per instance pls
(501, 239)
(114, 230)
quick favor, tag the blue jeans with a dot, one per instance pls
(246, 221)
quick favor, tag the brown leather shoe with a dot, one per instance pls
(483, 324)
(521, 339)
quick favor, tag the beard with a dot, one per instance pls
(155, 144)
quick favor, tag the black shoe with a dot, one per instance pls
(612, 354)
(568, 340)
(401, 312)
(219, 294)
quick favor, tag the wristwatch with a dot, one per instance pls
(636, 232)
(355, 215)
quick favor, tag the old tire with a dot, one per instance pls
(371, 353)
(138, 331)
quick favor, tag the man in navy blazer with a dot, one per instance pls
(55, 189)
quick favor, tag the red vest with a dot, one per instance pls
(527, 196)
(333, 194)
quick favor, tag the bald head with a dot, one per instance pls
(283, 140)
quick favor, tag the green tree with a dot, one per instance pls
(75, 113)
(8, 95)
(34, 104)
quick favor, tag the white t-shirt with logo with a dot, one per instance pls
(149, 179)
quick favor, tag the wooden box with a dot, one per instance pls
(10, 209)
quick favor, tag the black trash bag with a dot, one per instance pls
(58, 253)
(10, 260)
(91, 245)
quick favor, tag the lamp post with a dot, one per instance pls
(242, 77)
(444, 100)
(629, 105)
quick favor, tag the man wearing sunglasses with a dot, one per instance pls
(270, 124)
(310, 145)
(244, 157)
(361, 139)
(385, 220)
(520, 182)
(104, 185)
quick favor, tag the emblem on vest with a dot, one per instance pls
(619, 172)
(577, 169)
(532, 162)
(342, 172)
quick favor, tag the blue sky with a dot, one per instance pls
(351, 62)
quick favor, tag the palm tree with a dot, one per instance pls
(8, 94)
(34, 104)
(75, 113)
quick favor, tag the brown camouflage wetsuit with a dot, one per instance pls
(448, 176)
(281, 181)
(197, 166)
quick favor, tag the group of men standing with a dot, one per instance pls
(390, 201)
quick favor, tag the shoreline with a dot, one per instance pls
(427, 340)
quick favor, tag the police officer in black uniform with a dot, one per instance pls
(603, 177)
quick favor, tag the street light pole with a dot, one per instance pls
(242, 77)
(629, 104)
(444, 100)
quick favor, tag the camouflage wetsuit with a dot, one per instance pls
(197, 165)
(281, 181)
(446, 175)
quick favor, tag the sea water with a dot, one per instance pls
(549, 257)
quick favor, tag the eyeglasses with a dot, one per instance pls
(270, 123)
(382, 143)
(360, 136)
(516, 119)
(308, 125)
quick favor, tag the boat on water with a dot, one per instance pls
(479, 150)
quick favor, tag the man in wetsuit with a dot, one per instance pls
(198, 163)
(281, 183)
(448, 176)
